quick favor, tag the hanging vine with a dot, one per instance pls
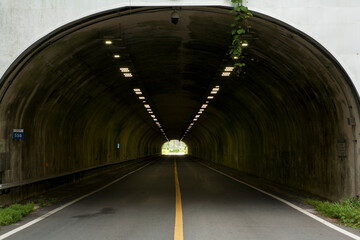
(242, 14)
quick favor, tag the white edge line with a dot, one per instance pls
(330, 225)
(12, 232)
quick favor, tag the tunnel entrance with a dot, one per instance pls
(131, 77)
(174, 147)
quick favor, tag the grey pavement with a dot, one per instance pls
(142, 206)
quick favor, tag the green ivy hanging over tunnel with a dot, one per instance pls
(238, 29)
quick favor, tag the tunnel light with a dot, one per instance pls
(210, 97)
(155, 119)
(144, 101)
(236, 57)
(207, 102)
(195, 119)
(213, 92)
(229, 69)
(137, 91)
(197, 116)
(215, 89)
(146, 105)
(225, 74)
(116, 55)
(141, 97)
(124, 70)
(204, 106)
(153, 116)
(128, 75)
(200, 112)
(149, 110)
(108, 42)
(245, 44)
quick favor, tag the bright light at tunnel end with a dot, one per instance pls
(174, 147)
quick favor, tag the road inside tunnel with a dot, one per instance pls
(142, 206)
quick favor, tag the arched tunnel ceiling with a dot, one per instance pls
(174, 65)
(69, 94)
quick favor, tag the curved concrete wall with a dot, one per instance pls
(334, 24)
(288, 131)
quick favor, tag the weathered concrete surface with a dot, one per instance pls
(283, 119)
(334, 24)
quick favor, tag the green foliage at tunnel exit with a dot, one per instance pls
(347, 212)
(174, 147)
(15, 213)
(238, 29)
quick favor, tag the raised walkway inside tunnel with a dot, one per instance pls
(144, 205)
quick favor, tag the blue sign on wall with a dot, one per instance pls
(18, 133)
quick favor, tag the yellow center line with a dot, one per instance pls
(178, 233)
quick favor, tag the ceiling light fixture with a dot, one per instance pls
(229, 69)
(128, 75)
(108, 42)
(225, 74)
(124, 70)
(116, 56)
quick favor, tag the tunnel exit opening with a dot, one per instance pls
(174, 147)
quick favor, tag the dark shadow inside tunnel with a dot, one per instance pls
(291, 117)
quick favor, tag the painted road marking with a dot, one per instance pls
(330, 225)
(12, 232)
(178, 232)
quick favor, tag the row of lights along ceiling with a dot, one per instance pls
(226, 73)
(127, 73)
(150, 111)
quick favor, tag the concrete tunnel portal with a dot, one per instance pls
(290, 117)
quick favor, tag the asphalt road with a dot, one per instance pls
(142, 206)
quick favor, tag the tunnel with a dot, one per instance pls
(116, 85)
